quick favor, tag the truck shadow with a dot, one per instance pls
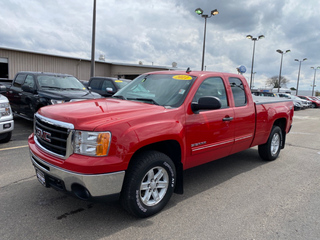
(197, 180)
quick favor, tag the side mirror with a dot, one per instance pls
(206, 103)
(26, 88)
(110, 90)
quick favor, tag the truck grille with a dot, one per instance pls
(53, 136)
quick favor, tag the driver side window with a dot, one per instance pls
(29, 82)
(212, 87)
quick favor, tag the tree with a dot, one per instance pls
(274, 82)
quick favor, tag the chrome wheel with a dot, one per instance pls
(275, 144)
(154, 186)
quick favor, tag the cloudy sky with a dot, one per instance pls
(160, 32)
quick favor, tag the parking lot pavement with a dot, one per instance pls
(237, 197)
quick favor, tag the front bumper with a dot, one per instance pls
(6, 126)
(83, 186)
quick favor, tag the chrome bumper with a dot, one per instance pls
(98, 185)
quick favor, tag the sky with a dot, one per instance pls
(160, 32)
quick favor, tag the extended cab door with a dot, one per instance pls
(15, 92)
(244, 114)
(210, 133)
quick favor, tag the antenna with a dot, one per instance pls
(188, 70)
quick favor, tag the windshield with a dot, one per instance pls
(168, 90)
(60, 82)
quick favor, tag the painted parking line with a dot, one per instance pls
(3, 149)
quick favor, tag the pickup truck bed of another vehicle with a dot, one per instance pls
(136, 145)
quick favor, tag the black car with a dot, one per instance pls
(33, 90)
(106, 86)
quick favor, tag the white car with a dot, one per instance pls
(298, 102)
(6, 120)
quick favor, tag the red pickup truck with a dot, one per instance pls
(136, 145)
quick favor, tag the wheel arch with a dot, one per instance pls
(172, 149)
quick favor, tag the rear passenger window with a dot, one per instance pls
(19, 80)
(239, 94)
(213, 87)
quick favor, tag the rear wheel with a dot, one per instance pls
(149, 184)
(271, 149)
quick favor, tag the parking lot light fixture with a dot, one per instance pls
(199, 11)
(254, 39)
(299, 73)
(314, 79)
(282, 53)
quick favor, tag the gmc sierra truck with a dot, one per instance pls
(6, 120)
(136, 145)
(32, 90)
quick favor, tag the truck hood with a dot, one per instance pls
(89, 114)
(3, 98)
(68, 94)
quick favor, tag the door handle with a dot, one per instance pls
(227, 119)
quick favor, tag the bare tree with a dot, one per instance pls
(274, 82)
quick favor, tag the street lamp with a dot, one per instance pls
(281, 52)
(253, 78)
(299, 73)
(199, 11)
(254, 46)
(93, 42)
(314, 79)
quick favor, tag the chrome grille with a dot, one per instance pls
(53, 136)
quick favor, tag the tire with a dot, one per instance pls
(149, 184)
(270, 150)
(5, 137)
(313, 105)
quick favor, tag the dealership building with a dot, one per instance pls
(13, 61)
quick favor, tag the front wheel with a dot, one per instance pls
(5, 137)
(149, 184)
(271, 149)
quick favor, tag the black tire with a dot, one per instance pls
(271, 149)
(5, 137)
(142, 187)
(314, 105)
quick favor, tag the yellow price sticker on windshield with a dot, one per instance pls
(118, 81)
(182, 77)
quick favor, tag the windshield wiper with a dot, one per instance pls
(119, 96)
(145, 99)
(51, 87)
(73, 89)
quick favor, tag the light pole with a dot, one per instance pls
(253, 74)
(281, 52)
(314, 79)
(299, 73)
(93, 42)
(199, 11)
(254, 46)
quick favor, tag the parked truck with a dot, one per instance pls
(6, 120)
(106, 86)
(32, 90)
(136, 145)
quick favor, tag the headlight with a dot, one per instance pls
(54, 101)
(5, 109)
(92, 143)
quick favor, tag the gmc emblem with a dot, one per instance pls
(43, 134)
